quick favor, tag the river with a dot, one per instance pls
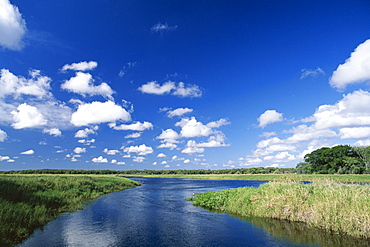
(156, 214)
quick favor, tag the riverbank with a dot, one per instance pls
(30, 201)
(339, 208)
(348, 178)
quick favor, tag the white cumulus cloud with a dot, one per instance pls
(84, 133)
(170, 87)
(269, 117)
(356, 68)
(111, 151)
(12, 26)
(140, 150)
(99, 112)
(53, 132)
(81, 66)
(79, 150)
(351, 111)
(100, 159)
(27, 116)
(355, 133)
(11, 84)
(28, 152)
(82, 84)
(136, 126)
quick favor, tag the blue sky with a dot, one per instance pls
(181, 84)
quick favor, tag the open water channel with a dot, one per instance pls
(156, 214)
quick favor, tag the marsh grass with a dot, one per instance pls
(339, 208)
(29, 201)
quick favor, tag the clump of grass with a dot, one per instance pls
(29, 201)
(339, 208)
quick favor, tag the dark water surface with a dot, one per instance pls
(156, 214)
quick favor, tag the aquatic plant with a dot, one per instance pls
(339, 208)
(30, 201)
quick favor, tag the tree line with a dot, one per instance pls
(341, 159)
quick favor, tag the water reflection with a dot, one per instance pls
(156, 214)
(301, 233)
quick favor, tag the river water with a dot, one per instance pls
(156, 214)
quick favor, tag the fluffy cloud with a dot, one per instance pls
(154, 88)
(168, 145)
(249, 161)
(169, 135)
(140, 150)
(178, 112)
(305, 133)
(100, 159)
(81, 66)
(269, 117)
(353, 110)
(190, 127)
(111, 152)
(86, 132)
(11, 84)
(192, 150)
(2, 158)
(79, 150)
(281, 157)
(12, 26)
(171, 87)
(161, 155)
(213, 141)
(355, 133)
(137, 126)
(3, 135)
(27, 116)
(53, 132)
(356, 68)
(82, 84)
(28, 152)
(189, 91)
(138, 159)
(98, 112)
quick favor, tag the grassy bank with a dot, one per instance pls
(351, 178)
(29, 201)
(339, 208)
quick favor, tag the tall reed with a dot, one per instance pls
(30, 201)
(339, 208)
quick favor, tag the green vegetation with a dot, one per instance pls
(29, 201)
(341, 159)
(339, 208)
